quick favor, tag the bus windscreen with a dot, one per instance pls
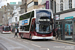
(6, 28)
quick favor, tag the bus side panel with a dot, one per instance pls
(25, 35)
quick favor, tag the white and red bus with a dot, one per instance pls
(6, 29)
(36, 24)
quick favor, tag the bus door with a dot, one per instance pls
(32, 27)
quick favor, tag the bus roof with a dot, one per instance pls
(36, 9)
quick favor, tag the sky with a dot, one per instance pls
(7, 1)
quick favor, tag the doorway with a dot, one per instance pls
(59, 25)
(74, 30)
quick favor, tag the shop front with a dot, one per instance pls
(67, 29)
(59, 25)
(67, 26)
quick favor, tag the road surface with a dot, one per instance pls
(8, 41)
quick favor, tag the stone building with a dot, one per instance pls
(32, 4)
(1, 16)
(23, 6)
(7, 14)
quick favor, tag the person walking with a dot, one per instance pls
(16, 32)
(58, 33)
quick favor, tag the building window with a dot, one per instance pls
(31, 4)
(61, 1)
(52, 4)
(8, 9)
(8, 13)
(14, 7)
(35, 3)
(61, 5)
(70, 3)
(15, 18)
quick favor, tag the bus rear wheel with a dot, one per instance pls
(22, 36)
(30, 37)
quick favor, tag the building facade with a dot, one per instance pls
(7, 13)
(42, 4)
(32, 4)
(23, 6)
(1, 16)
(62, 5)
(15, 18)
(4, 15)
(65, 19)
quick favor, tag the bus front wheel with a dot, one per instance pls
(31, 38)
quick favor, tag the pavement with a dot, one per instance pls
(63, 41)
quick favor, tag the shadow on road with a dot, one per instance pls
(39, 39)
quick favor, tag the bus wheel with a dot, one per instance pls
(30, 37)
(22, 36)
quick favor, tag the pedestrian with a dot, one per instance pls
(54, 32)
(16, 32)
(58, 36)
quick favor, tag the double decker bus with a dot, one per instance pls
(6, 29)
(36, 24)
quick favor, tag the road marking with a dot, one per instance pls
(20, 40)
(48, 49)
(45, 48)
(36, 45)
(16, 47)
(16, 43)
(25, 42)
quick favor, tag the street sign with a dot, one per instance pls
(12, 2)
(70, 17)
(47, 4)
